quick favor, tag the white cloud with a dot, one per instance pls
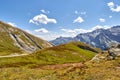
(113, 7)
(96, 27)
(100, 27)
(42, 19)
(42, 30)
(68, 30)
(78, 20)
(74, 30)
(110, 4)
(76, 12)
(44, 11)
(110, 16)
(46, 36)
(102, 20)
(12, 24)
(31, 21)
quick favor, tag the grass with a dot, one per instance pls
(24, 74)
(105, 70)
(66, 53)
(38, 66)
(33, 67)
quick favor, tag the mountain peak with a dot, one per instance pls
(101, 38)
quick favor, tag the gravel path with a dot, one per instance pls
(13, 55)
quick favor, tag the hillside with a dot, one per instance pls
(47, 62)
(66, 53)
(100, 38)
(17, 41)
(100, 67)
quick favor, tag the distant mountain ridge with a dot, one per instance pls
(15, 41)
(101, 38)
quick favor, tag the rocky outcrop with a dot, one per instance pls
(109, 54)
(114, 51)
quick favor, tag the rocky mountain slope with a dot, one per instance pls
(101, 38)
(15, 41)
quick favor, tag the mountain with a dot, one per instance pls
(101, 38)
(60, 40)
(17, 41)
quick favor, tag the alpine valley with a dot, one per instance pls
(26, 57)
(59, 39)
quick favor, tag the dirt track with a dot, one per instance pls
(61, 66)
(13, 55)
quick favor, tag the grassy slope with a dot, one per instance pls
(33, 67)
(65, 53)
(104, 70)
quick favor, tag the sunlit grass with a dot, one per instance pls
(67, 53)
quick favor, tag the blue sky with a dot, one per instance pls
(50, 19)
